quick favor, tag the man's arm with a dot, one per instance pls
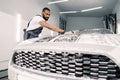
(49, 26)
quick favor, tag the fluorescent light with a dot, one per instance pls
(53, 2)
(85, 10)
(18, 27)
(68, 12)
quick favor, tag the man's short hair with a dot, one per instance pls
(45, 9)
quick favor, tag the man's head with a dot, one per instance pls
(46, 13)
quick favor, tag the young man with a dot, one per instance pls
(37, 23)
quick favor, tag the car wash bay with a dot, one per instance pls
(69, 15)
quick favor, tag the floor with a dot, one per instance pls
(6, 78)
(4, 74)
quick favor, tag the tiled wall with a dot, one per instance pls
(74, 23)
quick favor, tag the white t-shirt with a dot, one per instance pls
(34, 23)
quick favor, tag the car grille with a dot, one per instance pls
(77, 64)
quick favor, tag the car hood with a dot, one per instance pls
(95, 41)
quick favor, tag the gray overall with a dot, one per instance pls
(32, 33)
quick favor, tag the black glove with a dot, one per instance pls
(60, 33)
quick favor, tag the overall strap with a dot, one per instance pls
(28, 23)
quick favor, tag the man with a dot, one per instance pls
(37, 23)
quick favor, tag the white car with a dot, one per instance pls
(90, 54)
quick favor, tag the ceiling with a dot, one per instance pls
(78, 5)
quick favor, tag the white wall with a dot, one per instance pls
(10, 22)
(74, 23)
(7, 37)
(117, 11)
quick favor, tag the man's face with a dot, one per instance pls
(46, 14)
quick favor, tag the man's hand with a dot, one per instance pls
(61, 30)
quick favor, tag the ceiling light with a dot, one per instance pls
(18, 27)
(53, 2)
(68, 12)
(85, 10)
